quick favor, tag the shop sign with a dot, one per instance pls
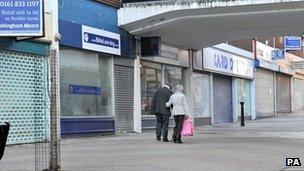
(21, 18)
(169, 52)
(198, 60)
(81, 89)
(266, 64)
(277, 54)
(298, 65)
(264, 51)
(100, 40)
(293, 43)
(228, 63)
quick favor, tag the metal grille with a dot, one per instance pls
(124, 97)
(264, 93)
(283, 93)
(23, 96)
(222, 99)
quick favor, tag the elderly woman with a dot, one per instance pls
(180, 110)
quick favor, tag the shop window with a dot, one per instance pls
(150, 82)
(85, 84)
(201, 97)
(151, 75)
(173, 75)
(243, 91)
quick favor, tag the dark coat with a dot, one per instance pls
(160, 98)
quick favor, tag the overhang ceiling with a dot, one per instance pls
(198, 28)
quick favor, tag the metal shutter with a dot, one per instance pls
(124, 98)
(264, 93)
(283, 93)
(298, 94)
(222, 99)
(24, 101)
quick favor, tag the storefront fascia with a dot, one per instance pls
(228, 60)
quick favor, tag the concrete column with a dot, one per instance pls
(211, 98)
(235, 100)
(189, 82)
(252, 96)
(292, 94)
(137, 92)
(275, 92)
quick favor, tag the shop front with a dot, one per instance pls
(298, 91)
(24, 69)
(283, 95)
(155, 71)
(200, 89)
(23, 90)
(97, 71)
(265, 82)
(284, 84)
(231, 70)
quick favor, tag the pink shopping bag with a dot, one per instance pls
(188, 127)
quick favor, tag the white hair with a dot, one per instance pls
(166, 86)
(179, 87)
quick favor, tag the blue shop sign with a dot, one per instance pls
(100, 40)
(277, 54)
(293, 43)
(21, 18)
(80, 89)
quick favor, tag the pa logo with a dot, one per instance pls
(86, 37)
(293, 162)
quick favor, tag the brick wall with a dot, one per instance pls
(277, 42)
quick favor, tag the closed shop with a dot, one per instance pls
(24, 96)
(232, 74)
(124, 98)
(297, 94)
(264, 85)
(222, 99)
(283, 93)
(86, 89)
(153, 76)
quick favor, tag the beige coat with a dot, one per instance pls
(180, 106)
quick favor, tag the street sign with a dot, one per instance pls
(277, 54)
(293, 43)
(298, 65)
(21, 18)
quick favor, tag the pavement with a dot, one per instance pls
(262, 145)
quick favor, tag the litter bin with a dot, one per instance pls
(4, 129)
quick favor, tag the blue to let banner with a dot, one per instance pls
(21, 18)
(80, 89)
(293, 43)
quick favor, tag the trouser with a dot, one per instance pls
(179, 120)
(162, 124)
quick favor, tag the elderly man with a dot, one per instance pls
(162, 112)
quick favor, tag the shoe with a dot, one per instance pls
(165, 140)
(174, 139)
(179, 141)
(158, 138)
